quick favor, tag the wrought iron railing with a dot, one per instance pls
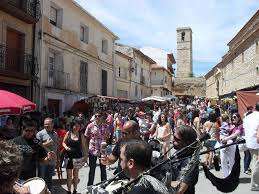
(58, 79)
(31, 7)
(16, 62)
(26, 10)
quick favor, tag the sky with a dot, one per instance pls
(153, 23)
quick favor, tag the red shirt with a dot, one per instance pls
(61, 134)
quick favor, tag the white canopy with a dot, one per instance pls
(169, 98)
(155, 98)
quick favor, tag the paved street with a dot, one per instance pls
(203, 186)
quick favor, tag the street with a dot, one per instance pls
(202, 187)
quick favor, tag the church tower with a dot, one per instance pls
(184, 52)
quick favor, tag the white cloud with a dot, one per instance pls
(142, 23)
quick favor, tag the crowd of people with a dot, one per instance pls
(123, 136)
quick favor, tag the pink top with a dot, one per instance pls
(119, 124)
(97, 135)
(239, 128)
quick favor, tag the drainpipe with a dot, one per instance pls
(40, 53)
(113, 72)
(33, 56)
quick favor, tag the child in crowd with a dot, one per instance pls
(225, 127)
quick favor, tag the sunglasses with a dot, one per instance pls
(127, 133)
(177, 139)
(234, 117)
(97, 116)
(28, 130)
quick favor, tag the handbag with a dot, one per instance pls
(242, 147)
(65, 161)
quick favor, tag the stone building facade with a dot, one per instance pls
(18, 62)
(139, 72)
(122, 77)
(161, 81)
(184, 84)
(239, 68)
(184, 52)
(77, 55)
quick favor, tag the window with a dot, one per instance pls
(104, 83)
(83, 76)
(243, 57)
(53, 16)
(183, 36)
(141, 92)
(136, 69)
(119, 71)
(136, 90)
(105, 46)
(165, 79)
(56, 75)
(84, 33)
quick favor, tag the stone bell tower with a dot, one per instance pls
(184, 52)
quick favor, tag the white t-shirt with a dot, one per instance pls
(156, 115)
(251, 125)
(142, 122)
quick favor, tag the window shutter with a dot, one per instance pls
(86, 34)
(59, 18)
(53, 14)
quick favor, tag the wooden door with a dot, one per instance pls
(54, 106)
(14, 51)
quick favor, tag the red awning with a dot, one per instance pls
(13, 104)
(245, 99)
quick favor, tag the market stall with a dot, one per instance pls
(97, 102)
(245, 99)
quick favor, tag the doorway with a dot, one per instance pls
(54, 107)
(15, 45)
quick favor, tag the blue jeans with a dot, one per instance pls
(247, 160)
(92, 165)
(46, 171)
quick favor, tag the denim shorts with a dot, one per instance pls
(210, 143)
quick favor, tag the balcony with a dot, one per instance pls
(16, 63)
(157, 82)
(58, 79)
(26, 10)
